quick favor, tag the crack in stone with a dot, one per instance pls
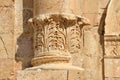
(4, 46)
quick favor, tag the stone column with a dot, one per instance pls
(57, 32)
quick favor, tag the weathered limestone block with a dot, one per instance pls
(112, 68)
(92, 55)
(93, 19)
(6, 39)
(75, 75)
(112, 41)
(6, 32)
(6, 3)
(6, 68)
(6, 46)
(89, 6)
(18, 29)
(7, 15)
(89, 58)
(90, 10)
(42, 75)
(103, 4)
(56, 6)
(113, 18)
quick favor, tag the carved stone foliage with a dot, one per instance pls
(49, 36)
(112, 45)
(57, 35)
(75, 38)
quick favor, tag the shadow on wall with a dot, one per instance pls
(101, 32)
(25, 41)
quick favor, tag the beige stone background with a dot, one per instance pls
(16, 50)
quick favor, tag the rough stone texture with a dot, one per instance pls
(101, 62)
(6, 39)
(18, 29)
(112, 67)
(93, 18)
(90, 58)
(6, 68)
(114, 78)
(76, 75)
(87, 8)
(112, 41)
(58, 6)
(103, 4)
(42, 75)
(6, 3)
(113, 18)
(6, 32)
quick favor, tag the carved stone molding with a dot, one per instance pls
(55, 37)
(112, 45)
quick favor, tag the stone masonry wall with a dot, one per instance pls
(99, 53)
(7, 57)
